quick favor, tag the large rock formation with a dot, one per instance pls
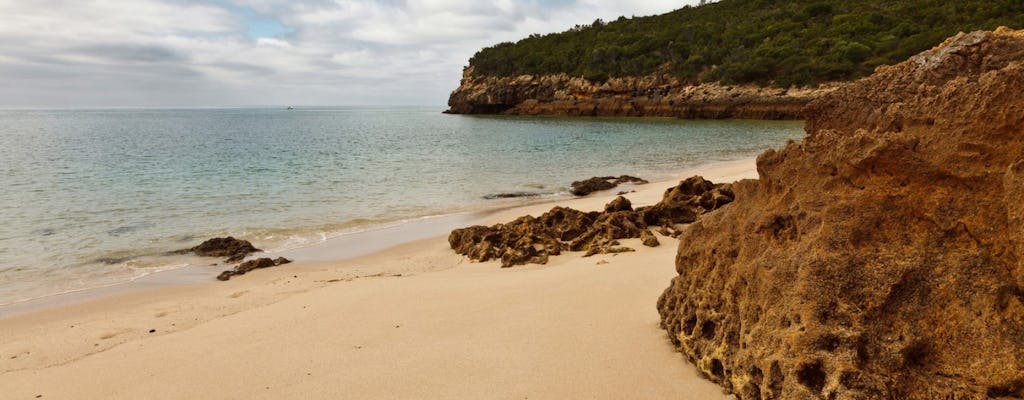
(882, 256)
(531, 239)
(651, 96)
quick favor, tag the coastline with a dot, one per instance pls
(64, 341)
(339, 246)
(655, 95)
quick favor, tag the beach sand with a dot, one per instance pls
(414, 321)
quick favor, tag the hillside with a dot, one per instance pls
(783, 43)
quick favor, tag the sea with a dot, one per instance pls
(98, 197)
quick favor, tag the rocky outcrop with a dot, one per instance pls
(599, 183)
(234, 249)
(881, 257)
(649, 96)
(250, 265)
(532, 240)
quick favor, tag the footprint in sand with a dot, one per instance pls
(236, 295)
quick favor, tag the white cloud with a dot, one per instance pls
(173, 53)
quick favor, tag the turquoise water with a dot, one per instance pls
(95, 197)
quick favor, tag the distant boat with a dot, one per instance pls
(291, 108)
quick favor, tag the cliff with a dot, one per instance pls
(880, 257)
(649, 96)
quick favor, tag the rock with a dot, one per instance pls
(648, 238)
(583, 188)
(619, 204)
(250, 265)
(512, 195)
(880, 257)
(533, 240)
(659, 95)
(595, 184)
(234, 249)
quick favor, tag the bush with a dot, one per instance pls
(797, 42)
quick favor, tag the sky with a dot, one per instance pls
(208, 53)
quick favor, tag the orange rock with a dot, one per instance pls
(880, 257)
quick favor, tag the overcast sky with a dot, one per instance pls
(138, 53)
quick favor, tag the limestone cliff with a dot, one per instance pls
(882, 256)
(651, 96)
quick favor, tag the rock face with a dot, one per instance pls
(250, 265)
(599, 183)
(533, 240)
(234, 249)
(881, 257)
(651, 96)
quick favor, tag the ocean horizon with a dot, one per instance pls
(100, 196)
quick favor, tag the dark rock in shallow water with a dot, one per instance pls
(512, 195)
(532, 240)
(598, 183)
(234, 249)
(250, 265)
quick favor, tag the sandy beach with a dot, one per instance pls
(412, 321)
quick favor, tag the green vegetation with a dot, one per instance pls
(777, 42)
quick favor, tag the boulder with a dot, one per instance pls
(880, 257)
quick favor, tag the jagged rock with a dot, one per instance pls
(880, 257)
(659, 95)
(598, 183)
(684, 202)
(533, 240)
(234, 249)
(250, 265)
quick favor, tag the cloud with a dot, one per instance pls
(248, 52)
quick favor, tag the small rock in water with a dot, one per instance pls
(598, 183)
(234, 249)
(511, 195)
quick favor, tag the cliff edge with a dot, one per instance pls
(644, 96)
(883, 255)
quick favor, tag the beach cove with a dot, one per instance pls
(446, 327)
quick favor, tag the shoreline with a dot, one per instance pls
(340, 247)
(469, 312)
